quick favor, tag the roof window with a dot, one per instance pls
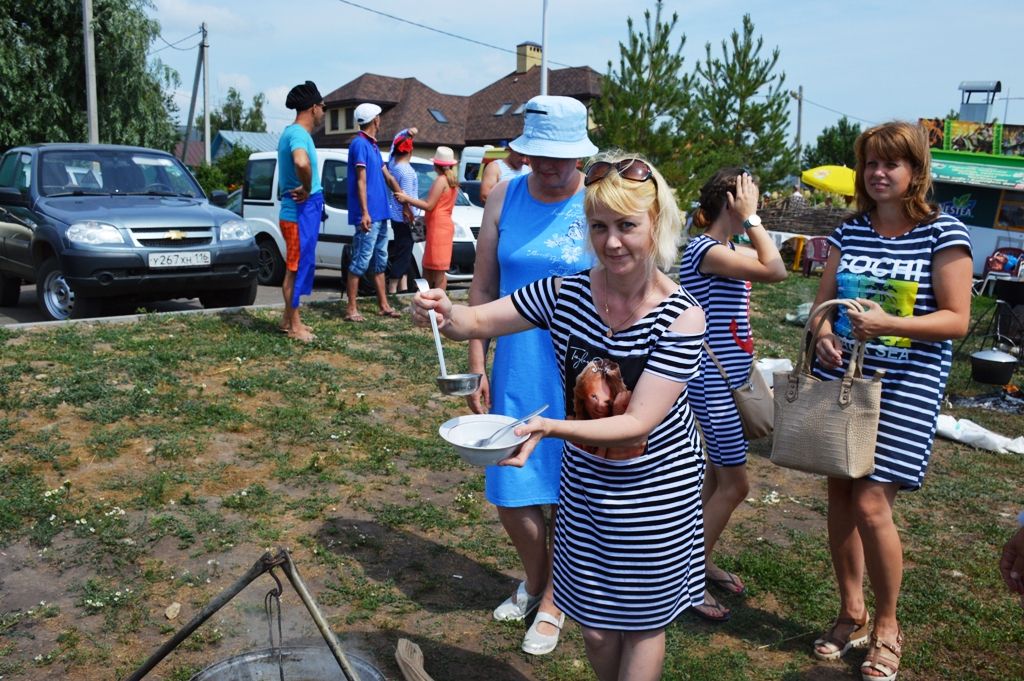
(503, 109)
(519, 109)
(438, 115)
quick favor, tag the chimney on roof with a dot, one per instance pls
(527, 56)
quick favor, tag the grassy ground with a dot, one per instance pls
(153, 463)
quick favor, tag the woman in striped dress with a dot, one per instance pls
(719, 276)
(910, 266)
(629, 544)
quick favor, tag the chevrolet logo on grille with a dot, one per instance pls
(176, 235)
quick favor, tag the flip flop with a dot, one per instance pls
(355, 318)
(711, 604)
(393, 314)
(730, 583)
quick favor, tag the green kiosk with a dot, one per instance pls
(978, 173)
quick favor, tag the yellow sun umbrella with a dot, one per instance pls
(835, 179)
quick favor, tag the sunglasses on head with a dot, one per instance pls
(632, 169)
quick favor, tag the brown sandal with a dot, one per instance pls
(884, 657)
(839, 646)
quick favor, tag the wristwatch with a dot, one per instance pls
(753, 221)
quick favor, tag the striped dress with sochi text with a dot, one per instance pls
(897, 274)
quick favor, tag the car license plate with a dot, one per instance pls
(180, 259)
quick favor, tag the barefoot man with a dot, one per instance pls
(302, 203)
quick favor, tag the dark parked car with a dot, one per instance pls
(92, 222)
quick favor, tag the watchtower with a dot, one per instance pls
(985, 91)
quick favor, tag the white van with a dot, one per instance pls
(471, 162)
(261, 206)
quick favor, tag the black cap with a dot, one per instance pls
(301, 97)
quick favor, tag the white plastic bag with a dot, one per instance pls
(768, 366)
(970, 433)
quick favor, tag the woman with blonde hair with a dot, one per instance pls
(629, 546)
(719, 275)
(909, 265)
(440, 228)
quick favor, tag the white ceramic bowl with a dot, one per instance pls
(462, 430)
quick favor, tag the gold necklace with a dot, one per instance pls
(607, 314)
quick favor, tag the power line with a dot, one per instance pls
(176, 43)
(436, 30)
(828, 108)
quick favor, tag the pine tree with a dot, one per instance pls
(742, 108)
(834, 146)
(232, 115)
(643, 101)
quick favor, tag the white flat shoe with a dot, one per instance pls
(536, 643)
(517, 606)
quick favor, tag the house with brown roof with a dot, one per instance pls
(488, 116)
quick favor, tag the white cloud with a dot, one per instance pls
(182, 16)
(875, 59)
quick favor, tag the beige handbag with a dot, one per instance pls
(753, 400)
(827, 427)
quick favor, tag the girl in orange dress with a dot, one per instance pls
(437, 253)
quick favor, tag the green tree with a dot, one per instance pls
(742, 108)
(644, 101)
(834, 146)
(227, 172)
(233, 115)
(42, 74)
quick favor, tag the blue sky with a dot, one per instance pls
(873, 60)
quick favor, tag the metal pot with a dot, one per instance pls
(308, 663)
(993, 366)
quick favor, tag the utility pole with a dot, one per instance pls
(798, 95)
(90, 73)
(200, 58)
(204, 49)
(544, 49)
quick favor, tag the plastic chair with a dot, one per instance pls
(1004, 259)
(815, 252)
(1005, 262)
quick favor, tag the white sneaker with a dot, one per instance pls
(536, 643)
(517, 606)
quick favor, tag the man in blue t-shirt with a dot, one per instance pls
(368, 212)
(302, 203)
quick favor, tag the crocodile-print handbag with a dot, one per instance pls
(827, 427)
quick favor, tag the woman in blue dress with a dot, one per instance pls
(533, 227)
(910, 267)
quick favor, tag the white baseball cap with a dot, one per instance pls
(366, 112)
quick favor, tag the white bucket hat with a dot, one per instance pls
(555, 127)
(444, 156)
(366, 112)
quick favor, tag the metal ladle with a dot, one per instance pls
(454, 384)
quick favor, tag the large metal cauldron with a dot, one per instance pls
(300, 663)
(993, 366)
